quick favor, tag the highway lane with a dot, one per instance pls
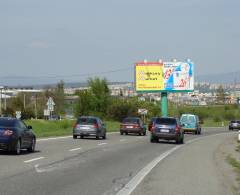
(88, 166)
(198, 168)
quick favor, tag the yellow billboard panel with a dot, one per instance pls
(149, 76)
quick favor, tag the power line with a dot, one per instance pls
(66, 76)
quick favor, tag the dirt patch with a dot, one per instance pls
(225, 157)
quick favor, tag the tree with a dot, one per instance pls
(220, 95)
(100, 94)
(84, 104)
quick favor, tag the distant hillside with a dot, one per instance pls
(226, 78)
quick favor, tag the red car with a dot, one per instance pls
(132, 125)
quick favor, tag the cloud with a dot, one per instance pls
(39, 44)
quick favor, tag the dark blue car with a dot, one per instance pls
(15, 135)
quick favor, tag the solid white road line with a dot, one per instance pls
(102, 144)
(128, 189)
(34, 159)
(75, 149)
(135, 181)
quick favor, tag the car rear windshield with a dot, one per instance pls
(131, 120)
(87, 121)
(188, 119)
(7, 123)
(236, 121)
(166, 121)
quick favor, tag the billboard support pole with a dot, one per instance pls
(164, 103)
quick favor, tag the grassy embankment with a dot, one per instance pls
(234, 162)
(43, 128)
(212, 116)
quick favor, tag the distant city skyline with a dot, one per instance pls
(46, 41)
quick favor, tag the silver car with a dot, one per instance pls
(234, 124)
(89, 126)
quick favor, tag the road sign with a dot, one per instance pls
(46, 112)
(18, 114)
(50, 101)
(50, 104)
(143, 111)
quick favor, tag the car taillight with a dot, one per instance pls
(136, 126)
(178, 129)
(95, 126)
(153, 128)
(7, 132)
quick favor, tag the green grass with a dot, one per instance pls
(43, 128)
(235, 164)
(212, 123)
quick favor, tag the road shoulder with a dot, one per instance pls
(193, 169)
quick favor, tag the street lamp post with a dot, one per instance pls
(5, 99)
(1, 88)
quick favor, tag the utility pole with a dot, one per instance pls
(5, 99)
(24, 101)
(35, 106)
(1, 88)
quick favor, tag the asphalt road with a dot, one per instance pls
(82, 166)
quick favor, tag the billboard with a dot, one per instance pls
(167, 76)
(149, 77)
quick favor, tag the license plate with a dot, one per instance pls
(165, 130)
(85, 128)
(129, 127)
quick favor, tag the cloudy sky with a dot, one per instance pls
(49, 40)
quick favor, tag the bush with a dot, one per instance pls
(217, 119)
(229, 115)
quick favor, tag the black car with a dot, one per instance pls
(15, 135)
(167, 128)
(234, 124)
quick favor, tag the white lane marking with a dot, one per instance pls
(53, 138)
(102, 144)
(65, 137)
(75, 149)
(41, 170)
(137, 179)
(122, 140)
(34, 159)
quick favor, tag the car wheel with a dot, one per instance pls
(178, 140)
(153, 139)
(81, 136)
(139, 133)
(74, 137)
(144, 133)
(182, 140)
(126, 133)
(97, 136)
(104, 136)
(18, 147)
(32, 147)
(121, 133)
(200, 131)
